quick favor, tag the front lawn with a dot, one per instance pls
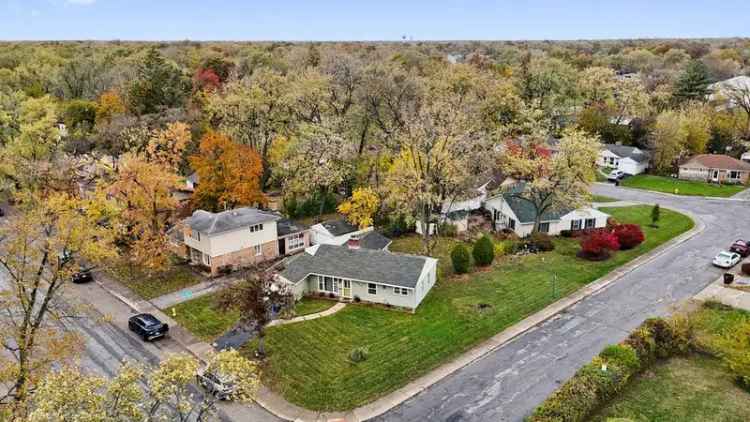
(311, 305)
(684, 187)
(151, 285)
(691, 388)
(201, 318)
(309, 362)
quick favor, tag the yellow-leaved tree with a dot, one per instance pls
(361, 207)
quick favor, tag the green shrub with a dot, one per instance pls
(358, 354)
(501, 249)
(621, 355)
(460, 259)
(601, 380)
(448, 230)
(484, 251)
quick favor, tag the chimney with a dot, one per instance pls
(353, 242)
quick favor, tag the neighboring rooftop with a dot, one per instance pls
(625, 151)
(716, 161)
(286, 226)
(356, 264)
(211, 223)
(525, 211)
(339, 227)
(374, 240)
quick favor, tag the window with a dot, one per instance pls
(206, 259)
(372, 288)
(256, 228)
(257, 249)
(575, 224)
(544, 227)
(734, 174)
(512, 224)
(590, 223)
(296, 241)
(195, 235)
(400, 291)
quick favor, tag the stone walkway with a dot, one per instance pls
(330, 311)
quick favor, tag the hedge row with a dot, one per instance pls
(601, 380)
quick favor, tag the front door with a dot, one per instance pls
(715, 175)
(346, 290)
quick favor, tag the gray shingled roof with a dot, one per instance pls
(211, 223)
(526, 213)
(374, 240)
(339, 227)
(357, 264)
(286, 226)
(637, 155)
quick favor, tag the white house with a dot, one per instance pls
(240, 237)
(730, 93)
(517, 214)
(349, 272)
(631, 160)
(339, 232)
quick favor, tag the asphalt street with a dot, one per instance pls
(509, 383)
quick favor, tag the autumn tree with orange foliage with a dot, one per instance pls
(229, 174)
(144, 191)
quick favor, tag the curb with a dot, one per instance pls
(279, 407)
(719, 198)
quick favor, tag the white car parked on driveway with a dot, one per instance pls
(726, 259)
(616, 175)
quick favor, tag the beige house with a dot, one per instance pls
(240, 237)
(715, 168)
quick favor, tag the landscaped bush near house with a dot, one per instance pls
(396, 227)
(541, 242)
(607, 374)
(629, 235)
(460, 259)
(598, 244)
(484, 251)
(448, 230)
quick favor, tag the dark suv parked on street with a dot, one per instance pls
(147, 326)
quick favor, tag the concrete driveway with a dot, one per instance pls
(509, 383)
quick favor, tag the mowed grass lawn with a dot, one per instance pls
(694, 388)
(309, 362)
(155, 284)
(684, 187)
(200, 317)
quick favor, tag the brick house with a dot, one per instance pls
(715, 168)
(240, 237)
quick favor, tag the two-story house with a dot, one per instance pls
(240, 237)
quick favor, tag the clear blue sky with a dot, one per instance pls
(370, 19)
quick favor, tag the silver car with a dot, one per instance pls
(220, 386)
(726, 259)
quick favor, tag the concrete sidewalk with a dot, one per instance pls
(330, 311)
(193, 292)
(718, 292)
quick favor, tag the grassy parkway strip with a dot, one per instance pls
(309, 363)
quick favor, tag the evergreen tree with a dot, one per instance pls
(692, 83)
(655, 215)
(158, 84)
(484, 251)
(460, 259)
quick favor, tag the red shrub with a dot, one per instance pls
(629, 235)
(206, 79)
(598, 244)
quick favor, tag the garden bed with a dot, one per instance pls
(309, 362)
